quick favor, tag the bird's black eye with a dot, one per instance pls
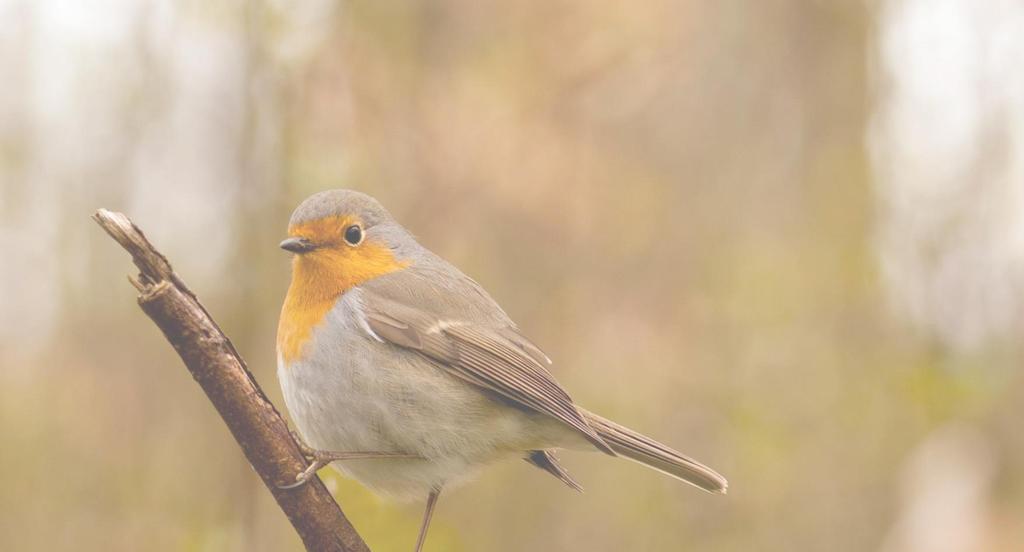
(354, 235)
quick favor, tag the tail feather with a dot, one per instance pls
(653, 454)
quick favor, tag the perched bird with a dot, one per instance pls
(403, 373)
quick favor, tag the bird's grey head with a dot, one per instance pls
(345, 218)
(336, 203)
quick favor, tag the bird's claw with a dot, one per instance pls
(306, 474)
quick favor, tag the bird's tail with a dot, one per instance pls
(655, 455)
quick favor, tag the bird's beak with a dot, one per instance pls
(298, 245)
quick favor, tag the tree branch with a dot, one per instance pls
(215, 364)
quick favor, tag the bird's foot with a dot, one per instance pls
(320, 458)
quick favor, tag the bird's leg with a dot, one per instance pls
(429, 513)
(320, 458)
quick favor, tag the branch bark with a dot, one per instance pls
(215, 364)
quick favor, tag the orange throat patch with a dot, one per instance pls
(321, 277)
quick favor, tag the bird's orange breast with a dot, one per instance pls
(320, 277)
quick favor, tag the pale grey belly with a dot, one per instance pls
(356, 394)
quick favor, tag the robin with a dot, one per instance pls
(403, 373)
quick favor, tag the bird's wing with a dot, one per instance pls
(502, 361)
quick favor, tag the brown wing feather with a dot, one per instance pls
(480, 356)
(546, 460)
(526, 345)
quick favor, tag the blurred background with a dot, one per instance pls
(786, 237)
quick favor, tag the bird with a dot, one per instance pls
(404, 374)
